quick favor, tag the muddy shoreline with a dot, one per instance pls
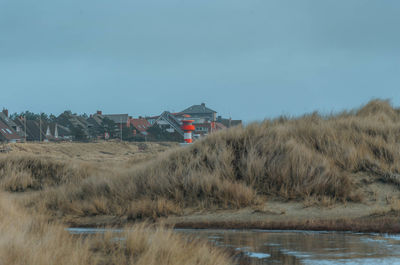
(357, 217)
(371, 224)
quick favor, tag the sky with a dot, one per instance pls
(246, 59)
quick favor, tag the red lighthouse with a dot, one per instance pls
(188, 128)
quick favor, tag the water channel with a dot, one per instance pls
(298, 247)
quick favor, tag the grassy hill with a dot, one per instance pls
(321, 157)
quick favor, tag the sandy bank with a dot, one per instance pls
(274, 215)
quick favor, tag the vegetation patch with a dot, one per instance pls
(30, 239)
(315, 159)
(21, 173)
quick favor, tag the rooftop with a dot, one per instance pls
(196, 109)
(117, 118)
(141, 124)
(8, 133)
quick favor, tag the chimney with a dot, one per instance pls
(5, 111)
(203, 104)
(99, 112)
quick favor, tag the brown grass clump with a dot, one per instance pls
(31, 240)
(27, 239)
(146, 208)
(21, 173)
(314, 156)
(147, 245)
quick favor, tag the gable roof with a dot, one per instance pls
(140, 124)
(69, 120)
(7, 133)
(198, 109)
(9, 122)
(32, 129)
(117, 118)
(96, 122)
(174, 122)
(61, 130)
(95, 119)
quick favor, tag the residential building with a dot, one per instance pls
(119, 119)
(9, 122)
(166, 128)
(7, 134)
(200, 113)
(35, 130)
(78, 125)
(139, 125)
(229, 122)
(56, 132)
(203, 129)
(101, 127)
(204, 118)
(121, 125)
(152, 119)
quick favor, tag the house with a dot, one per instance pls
(119, 119)
(10, 123)
(7, 134)
(69, 120)
(101, 127)
(204, 118)
(152, 119)
(169, 123)
(229, 122)
(56, 132)
(139, 125)
(200, 113)
(96, 120)
(106, 126)
(203, 129)
(35, 130)
(166, 128)
(122, 125)
(78, 125)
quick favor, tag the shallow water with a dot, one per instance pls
(299, 247)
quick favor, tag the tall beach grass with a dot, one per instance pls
(31, 239)
(324, 157)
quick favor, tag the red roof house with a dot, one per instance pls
(7, 134)
(140, 125)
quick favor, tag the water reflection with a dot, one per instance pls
(302, 247)
(259, 247)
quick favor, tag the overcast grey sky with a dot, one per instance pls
(248, 59)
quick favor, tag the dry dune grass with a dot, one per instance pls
(102, 151)
(22, 173)
(27, 239)
(146, 245)
(321, 157)
(34, 166)
(31, 240)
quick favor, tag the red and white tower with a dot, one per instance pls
(188, 128)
